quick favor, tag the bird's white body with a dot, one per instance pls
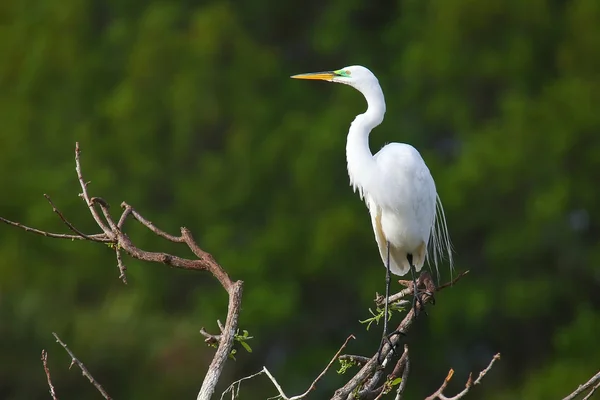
(395, 183)
(403, 213)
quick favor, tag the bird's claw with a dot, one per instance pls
(387, 338)
(418, 297)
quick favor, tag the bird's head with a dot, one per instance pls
(356, 76)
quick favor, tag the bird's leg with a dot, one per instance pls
(388, 280)
(416, 296)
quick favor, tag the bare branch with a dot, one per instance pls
(82, 367)
(234, 388)
(70, 225)
(313, 385)
(86, 197)
(582, 388)
(121, 265)
(207, 260)
(226, 343)
(372, 370)
(122, 243)
(98, 238)
(104, 206)
(45, 364)
(126, 212)
(370, 367)
(148, 224)
(282, 395)
(589, 395)
(401, 365)
(405, 373)
(453, 281)
(210, 338)
(439, 394)
(360, 360)
(380, 300)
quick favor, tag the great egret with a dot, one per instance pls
(406, 211)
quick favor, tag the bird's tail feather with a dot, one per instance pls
(440, 244)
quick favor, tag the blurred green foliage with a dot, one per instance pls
(185, 110)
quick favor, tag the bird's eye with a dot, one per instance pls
(347, 72)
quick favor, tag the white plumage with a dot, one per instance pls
(395, 183)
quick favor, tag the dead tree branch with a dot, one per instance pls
(47, 371)
(235, 386)
(589, 395)
(82, 367)
(113, 235)
(364, 385)
(405, 373)
(371, 373)
(439, 394)
(594, 381)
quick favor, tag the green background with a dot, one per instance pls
(186, 111)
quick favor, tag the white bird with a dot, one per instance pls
(406, 212)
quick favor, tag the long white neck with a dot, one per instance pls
(362, 168)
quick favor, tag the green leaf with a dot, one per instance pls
(396, 381)
(246, 346)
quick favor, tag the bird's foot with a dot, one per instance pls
(418, 297)
(387, 339)
(422, 295)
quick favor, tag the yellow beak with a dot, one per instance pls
(322, 76)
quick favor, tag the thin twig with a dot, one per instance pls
(232, 387)
(101, 237)
(582, 388)
(126, 212)
(453, 281)
(439, 394)
(313, 385)
(45, 364)
(85, 196)
(148, 224)
(104, 208)
(282, 395)
(68, 224)
(82, 367)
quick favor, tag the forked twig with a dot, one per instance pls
(121, 243)
(439, 394)
(82, 367)
(318, 378)
(282, 395)
(582, 388)
(71, 226)
(97, 238)
(589, 395)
